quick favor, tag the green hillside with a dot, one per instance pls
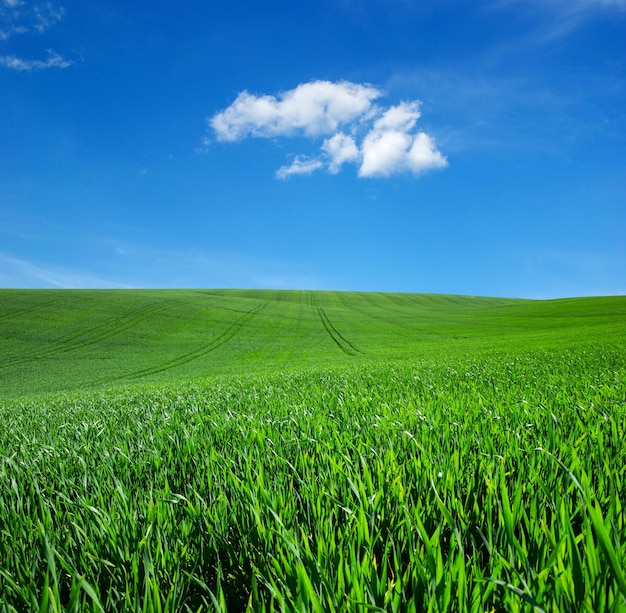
(56, 340)
(311, 451)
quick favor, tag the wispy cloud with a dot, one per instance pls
(54, 60)
(559, 18)
(19, 17)
(347, 114)
(148, 266)
(46, 15)
(19, 273)
(575, 273)
(136, 266)
(481, 110)
(299, 166)
(564, 6)
(22, 17)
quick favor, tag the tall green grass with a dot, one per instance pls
(486, 481)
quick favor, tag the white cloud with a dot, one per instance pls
(340, 149)
(423, 154)
(45, 16)
(343, 110)
(300, 166)
(54, 60)
(18, 17)
(401, 117)
(390, 147)
(384, 152)
(314, 108)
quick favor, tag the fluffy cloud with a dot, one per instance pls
(390, 147)
(314, 108)
(402, 117)
(340, 149)
(345, 113)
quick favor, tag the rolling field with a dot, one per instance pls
(311, 451)
(62, 340)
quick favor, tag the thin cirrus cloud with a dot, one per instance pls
(20, 17)
(380, 140)
(54, 60)
(560, 18)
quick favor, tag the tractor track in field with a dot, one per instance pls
(217, 342)
(342, 298)
(379, 319)
(277, 319)
(103, 331)
(31, 309)
(341, 341)
(296, 331)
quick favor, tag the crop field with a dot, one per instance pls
(311, 451)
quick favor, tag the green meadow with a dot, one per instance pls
(231, 450)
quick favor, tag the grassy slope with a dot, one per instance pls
(57, 340)
(473, 459)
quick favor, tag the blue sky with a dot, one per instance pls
(439, 146)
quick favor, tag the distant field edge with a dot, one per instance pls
(57, 340)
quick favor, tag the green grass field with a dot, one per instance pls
(66, 340)
(311, 451)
